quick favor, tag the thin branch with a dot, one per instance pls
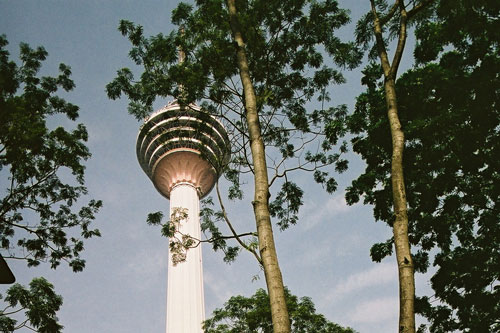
(26, 191)
(27, 228)
(233, 88)
(208, 240)
(421, 5)
(245, 155)
(401, 43)
(390, 14)
(211, 240)
(12, 312)
(377, 28)
(299, 167)
(23, 324)
(17, 258)
(30, 328)
(298, 149)
(246, 247)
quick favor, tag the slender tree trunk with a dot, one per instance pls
(400, 226)
(274, 280)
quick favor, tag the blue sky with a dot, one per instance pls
(123, 287)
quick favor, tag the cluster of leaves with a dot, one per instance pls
(37, 208)
(40, 304)
(209, 220)
(390, 19)
(253, 314)
(179, 243)
(288, 72)
(38, 204)
(449, 112)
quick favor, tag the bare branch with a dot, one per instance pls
(390, 14)
(245, 246)
(12, 312)
(401, 43)
(377, 28)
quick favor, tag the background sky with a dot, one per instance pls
(123, 287)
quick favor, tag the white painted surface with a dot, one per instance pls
(185, 296)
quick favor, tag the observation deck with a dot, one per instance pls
(178, 145)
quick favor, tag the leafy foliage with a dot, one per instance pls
(391, 24)
(39, 303)
(390, 15)
(253, 314)
(449, 112)
(286, 204)
(209, 221)
(180, 243)
(288, 72)
(39, 205)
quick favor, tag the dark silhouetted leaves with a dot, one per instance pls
(449, 112)
(39, 303)
(40, 209)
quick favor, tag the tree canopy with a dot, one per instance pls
(297, 138)
(288, 70)
(253, 314)
(257, 65)
(385, 25)
(41, 217)
(449, 111)
(39, 303)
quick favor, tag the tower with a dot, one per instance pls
(183, 150)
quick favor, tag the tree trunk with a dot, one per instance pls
(272, 272)
(400, 227)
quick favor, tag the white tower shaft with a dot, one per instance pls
(185, 296)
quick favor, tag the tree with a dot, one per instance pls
(249, 62)
(267, 248)
(396, 19)
(40, 304)
(38, 206)
(253, 314)
(449, 110)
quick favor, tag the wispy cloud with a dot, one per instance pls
(375, 311)
(216, 287)
(377, 275)
(315, 212)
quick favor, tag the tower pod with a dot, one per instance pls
(182, 145)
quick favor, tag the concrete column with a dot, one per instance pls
(185, 296)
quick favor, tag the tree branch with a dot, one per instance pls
(390, 14)
(401, 43)
(12, 312)
(26, 191)
(421, 5)
(377, 28)
(245, 246)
